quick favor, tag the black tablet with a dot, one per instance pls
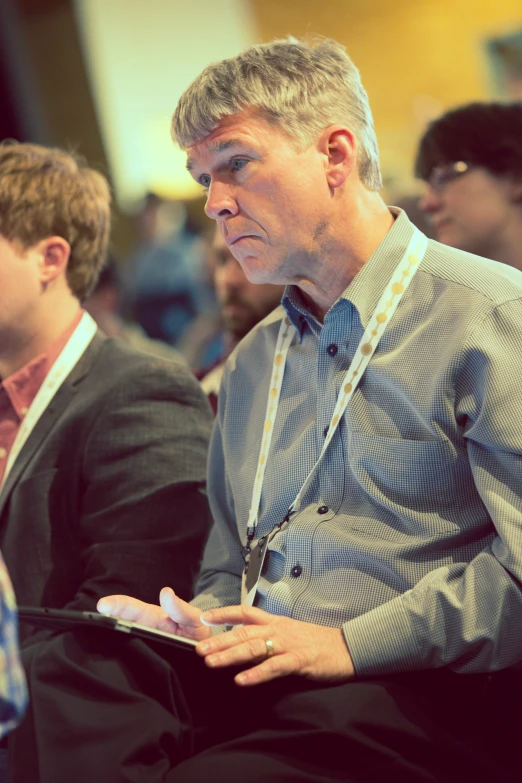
(68, 620)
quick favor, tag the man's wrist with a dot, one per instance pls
(382, 641)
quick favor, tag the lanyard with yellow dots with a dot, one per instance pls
(382, 315)
(68, 358)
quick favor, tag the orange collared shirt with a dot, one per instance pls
(18, 391)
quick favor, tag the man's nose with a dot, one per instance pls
(430, 199)
(220, 202)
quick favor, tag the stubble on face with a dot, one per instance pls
(320, 230)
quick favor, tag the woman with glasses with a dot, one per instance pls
(471, 162)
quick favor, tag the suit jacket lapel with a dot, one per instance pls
(51, 415)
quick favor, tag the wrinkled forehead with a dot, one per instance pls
(231, 130)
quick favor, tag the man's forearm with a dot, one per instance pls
(461, 616)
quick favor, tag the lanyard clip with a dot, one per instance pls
(246, 550)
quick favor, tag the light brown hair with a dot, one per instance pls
(48, 192)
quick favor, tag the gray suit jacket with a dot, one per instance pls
(107, 494)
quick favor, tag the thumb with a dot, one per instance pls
(127, 608)
(179, 610)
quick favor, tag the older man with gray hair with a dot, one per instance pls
(365, 565)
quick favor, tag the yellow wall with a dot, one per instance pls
(416, 57)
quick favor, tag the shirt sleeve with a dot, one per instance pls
(13, 691)
(467, 616)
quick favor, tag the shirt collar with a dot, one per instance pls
(369, 283)
(23, 385)
(296, 310)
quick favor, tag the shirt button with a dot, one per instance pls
(3, 452)
(323, 510)
(296, 571)
(332, 349)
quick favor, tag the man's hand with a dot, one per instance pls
(305, 649)
(173, 615)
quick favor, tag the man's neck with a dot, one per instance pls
(361, 234)
(23, 345)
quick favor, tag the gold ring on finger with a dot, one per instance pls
(269, 648)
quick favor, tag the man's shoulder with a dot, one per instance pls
(125, 357)
(490, 279)
(114, 363)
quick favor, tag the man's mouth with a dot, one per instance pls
(235, 239)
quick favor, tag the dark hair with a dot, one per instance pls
(484, 134)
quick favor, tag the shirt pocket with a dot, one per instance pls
(411, 479)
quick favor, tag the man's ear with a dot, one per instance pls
(339, 146)
(55, 252)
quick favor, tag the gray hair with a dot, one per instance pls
(300, 87)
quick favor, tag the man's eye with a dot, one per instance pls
(205, 181)
(238, 163)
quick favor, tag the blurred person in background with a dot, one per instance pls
(102, 453)
(242, 305)
(104, 305)
(13, 691)
(471, 162)
(409, 202)
(164, 277)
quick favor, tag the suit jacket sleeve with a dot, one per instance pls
(144, 515)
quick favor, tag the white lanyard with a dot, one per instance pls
(68, 358)
(385, 309)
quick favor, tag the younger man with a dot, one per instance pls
(102, 448)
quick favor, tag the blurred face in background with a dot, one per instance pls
(243, 304)
(472, 209)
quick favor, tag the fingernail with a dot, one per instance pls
(204, 647)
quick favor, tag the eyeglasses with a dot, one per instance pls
(447, 172)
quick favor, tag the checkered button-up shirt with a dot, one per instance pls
(13, 693)
(410, 535)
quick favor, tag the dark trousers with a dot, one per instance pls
(109, 709)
